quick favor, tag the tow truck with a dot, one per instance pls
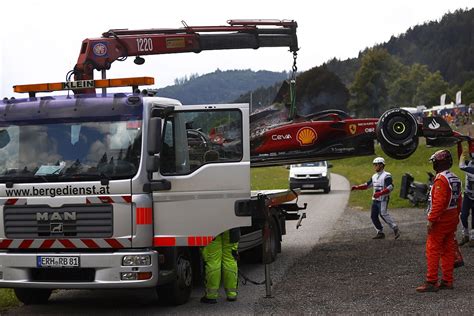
(121, 189)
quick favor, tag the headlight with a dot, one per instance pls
(324, 174)
(136, 260)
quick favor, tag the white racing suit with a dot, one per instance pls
(381, 182)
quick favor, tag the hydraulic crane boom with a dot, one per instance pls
(118, 44)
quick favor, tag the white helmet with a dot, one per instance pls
(379, 160)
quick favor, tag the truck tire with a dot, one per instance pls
(397, 133)
(33, 296)
(178, 291)
(256, 254)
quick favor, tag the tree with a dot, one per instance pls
(430, 89)
(369, 90)
(403, 89)
(468, 92)
(320, 89)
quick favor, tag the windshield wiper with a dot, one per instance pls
(11, 179)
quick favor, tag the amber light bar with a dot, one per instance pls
(84, 84)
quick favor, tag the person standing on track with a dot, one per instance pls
(382, 183)
(443, 218)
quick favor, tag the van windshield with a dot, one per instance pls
(311, 164)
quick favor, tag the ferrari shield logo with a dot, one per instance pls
(352, 128)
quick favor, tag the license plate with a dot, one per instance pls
(308, 185)
(57, 262)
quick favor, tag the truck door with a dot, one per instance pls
(205, 156)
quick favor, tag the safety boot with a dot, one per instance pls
(464, 240)
(445, 285)
(396, 232)
(379, 235)
(231, 298)
(206, 300)
(458, 264)
(427, 287)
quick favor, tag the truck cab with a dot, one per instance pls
(92, 197)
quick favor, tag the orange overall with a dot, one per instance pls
(443, 217)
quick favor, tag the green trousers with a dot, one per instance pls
(219, 261)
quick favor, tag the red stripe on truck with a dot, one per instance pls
(114, 243)
(47, 243)
(164, 241)
(144, 216)
(5, 243)
(67, 243)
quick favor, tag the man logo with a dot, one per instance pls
(55, 216)
(306, 136)
(352, 128)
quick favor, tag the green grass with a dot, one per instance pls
(359, 170)
(7, 299)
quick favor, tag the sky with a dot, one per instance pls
(40, 40)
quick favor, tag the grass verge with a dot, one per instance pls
(359, 170)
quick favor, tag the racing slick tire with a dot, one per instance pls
(32, 296)
(397, 133)
(399, 152)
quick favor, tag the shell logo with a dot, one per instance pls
(306, 136)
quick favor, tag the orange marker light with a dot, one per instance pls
(84, 84)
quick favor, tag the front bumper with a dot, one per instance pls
(101, 271)
(309, 184)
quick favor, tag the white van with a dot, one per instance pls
(311, 176)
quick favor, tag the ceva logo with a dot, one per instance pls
(306, 136)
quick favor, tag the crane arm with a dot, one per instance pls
(100, 53)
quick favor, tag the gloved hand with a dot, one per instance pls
(359, 187)
(380, 193)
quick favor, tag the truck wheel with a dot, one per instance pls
(397, 133)
(274, 243)
(33, 296)
(327, 189)
(178, 291)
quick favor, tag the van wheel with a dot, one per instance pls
(327, 189)
(33, 296)
(178, 291)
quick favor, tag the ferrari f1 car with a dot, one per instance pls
(333, 134)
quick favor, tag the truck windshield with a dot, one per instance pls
(70, 150)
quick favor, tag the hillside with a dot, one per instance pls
(220, 86)
(446, 45)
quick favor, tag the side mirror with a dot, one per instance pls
(4, 138)
(154, 136)
(330, 165)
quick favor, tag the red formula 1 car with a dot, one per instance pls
(333, 134)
